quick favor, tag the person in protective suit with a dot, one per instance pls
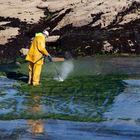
(35, 57)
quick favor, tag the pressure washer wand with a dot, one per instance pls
(57, 72)
(51, 60)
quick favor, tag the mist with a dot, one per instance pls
(66, 68)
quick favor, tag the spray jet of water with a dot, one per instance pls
(58, 78)
(66, 69)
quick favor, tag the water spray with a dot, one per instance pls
(59, 78)
(66, 68)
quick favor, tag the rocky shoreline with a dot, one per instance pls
(86, 27)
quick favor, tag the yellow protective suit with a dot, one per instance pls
(34, 56)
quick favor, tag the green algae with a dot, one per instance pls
(95, 93)
(84, 92)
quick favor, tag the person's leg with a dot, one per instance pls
(36, 73)
(30, 67)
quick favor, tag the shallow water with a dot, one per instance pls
(127, 104)
(15, 102)
(123, 121)
(98, 65)
(9, 100)
(107, 65)
(68, 130)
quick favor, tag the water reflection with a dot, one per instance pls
(36, 126)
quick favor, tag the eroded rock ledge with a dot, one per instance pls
(85, 27)
(89, 26)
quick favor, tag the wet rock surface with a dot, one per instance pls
(96, 27)
(85, 27)
(16, 26)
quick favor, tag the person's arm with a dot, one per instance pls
(42, 49)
